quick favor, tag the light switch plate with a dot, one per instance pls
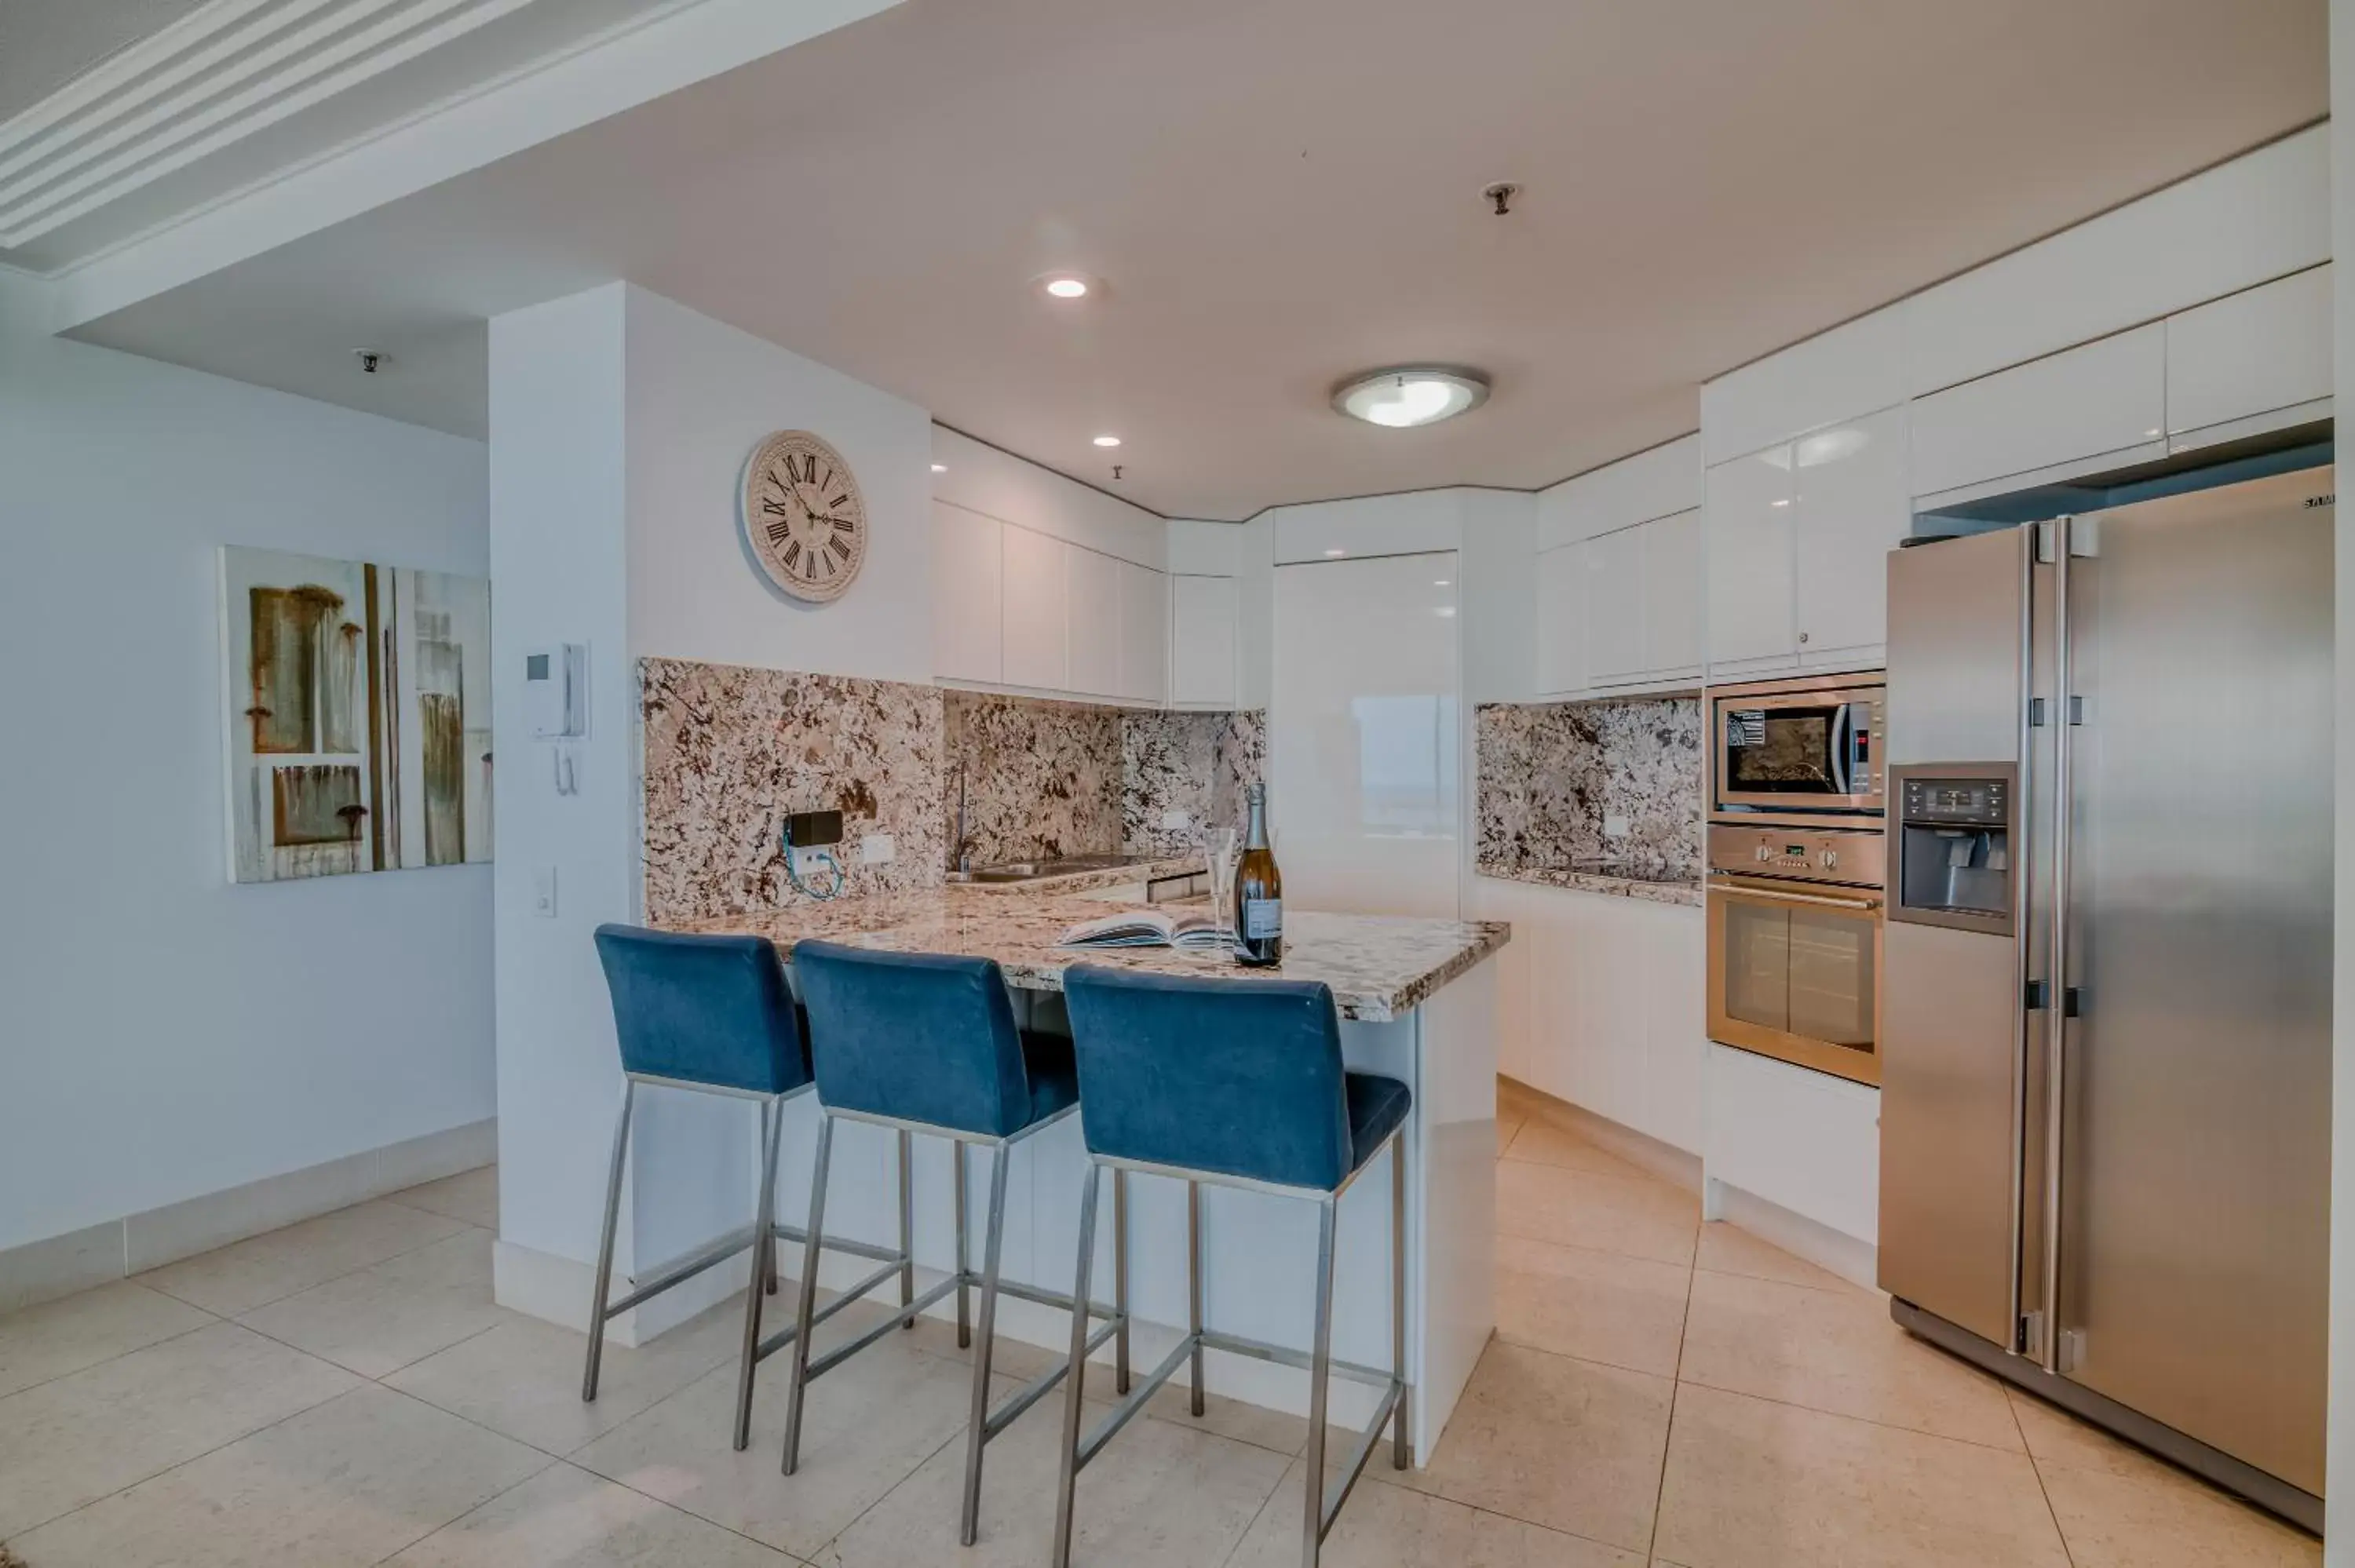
(543, 891)
(1616, 827)
(1176, 819)
(877, 849)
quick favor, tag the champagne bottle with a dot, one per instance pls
(1259, 890)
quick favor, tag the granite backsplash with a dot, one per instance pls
(730, 750)
(1554, 775)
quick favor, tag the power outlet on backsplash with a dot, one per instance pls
(1616, 826)
(1176, 821)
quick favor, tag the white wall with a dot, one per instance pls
(165, 1034)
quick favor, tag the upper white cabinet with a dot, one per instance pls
(1747, 542)
(1202, 643)
(1672, 595)
(1035, 614)
(1092, 595)
(2259, 352)
(1806, 387)
(1615, 607)
(1853, 505)
(1562, 618)
(967, 635)
(1618, 580)
(1652, 484)
(1144, 633)
(2099, 398)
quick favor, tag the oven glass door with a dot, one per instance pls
(1778, 755)
(1797, 976)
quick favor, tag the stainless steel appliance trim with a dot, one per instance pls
(2023, 888)
(1860, 1066)
(1843, 690)
(2014, 822)
(2056, 985)
(1785, 895)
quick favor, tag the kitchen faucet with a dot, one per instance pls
(960, 847)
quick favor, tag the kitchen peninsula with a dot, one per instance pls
(1417, 1002)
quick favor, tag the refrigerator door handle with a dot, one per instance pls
(2056, 1019)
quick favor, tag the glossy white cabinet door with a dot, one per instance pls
(1366, 756)
(968, 582)
(1093, 584)
(1615, 607)
(1203, 664)
(2101, 398)
(1854, 504)
(1746, 534)
(1562, 618)
(1144, 633)
(1672, 595)
(2250, 353)
(1036, 601)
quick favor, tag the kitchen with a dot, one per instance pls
(1681, 832)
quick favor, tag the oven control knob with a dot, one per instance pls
(1764, 853)
(1830, 859)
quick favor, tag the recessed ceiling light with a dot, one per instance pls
(1440, 582)
(1337, 553)
(1107, 440)
(1409, 395)
(1064, 285)
(940, 467)
(1780, 500)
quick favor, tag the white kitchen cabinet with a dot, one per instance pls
(1672, 596)
(1561, 620)
(1203, 617)
(1652, 484)
(2252, 353)
(1092, 595)
(1858, 364)
(1853, 504)
(968, 583)
(1746, 534)
(1144, 633)
(1035, 612)
(2102, 398)
(1615, 607)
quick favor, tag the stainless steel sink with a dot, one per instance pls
(1064, 866)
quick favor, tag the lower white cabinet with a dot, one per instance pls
(1604, 1002)
(968, 577)
(1035, 611)
(1204, 617)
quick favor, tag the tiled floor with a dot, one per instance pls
(1661, 1395)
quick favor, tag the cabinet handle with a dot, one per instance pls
(1803, 637)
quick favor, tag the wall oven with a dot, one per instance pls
(1794, 944)
(1804, 745)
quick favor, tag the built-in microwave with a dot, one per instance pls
(1807, 747)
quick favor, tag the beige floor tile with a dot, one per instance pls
(523, 1378)
(1387, 1525)
(244, 1274)
(1730, 1249)
(1545, 1142)
(1598, 1306)
(2056, 1438)
(1638, 1216)
(1754, 1484)
(2136, 1511)
(1836, 1352)
(399, 1311)
(77, 1438)
(345, 1482)
(471, 1195)
(868, 1424)
(1158, 1496)
(65, 1336)
(1570, 1445)
(566, 1517)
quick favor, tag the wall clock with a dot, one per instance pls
(803, 516)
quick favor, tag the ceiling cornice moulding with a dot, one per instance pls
(225, 71)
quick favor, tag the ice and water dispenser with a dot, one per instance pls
(1955, 849)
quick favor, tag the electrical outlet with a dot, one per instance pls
(543, 891)
(877, 849)
(1176, 819)
(1616, 827)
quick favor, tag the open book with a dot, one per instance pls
(1150, 928)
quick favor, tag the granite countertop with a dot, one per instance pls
(1097, 880)
(1380, 967)
(1650, 889)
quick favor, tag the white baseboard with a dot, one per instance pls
(1858, 1262)
(1641, 1150)
(79, 1260)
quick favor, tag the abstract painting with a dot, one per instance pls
(358, 705)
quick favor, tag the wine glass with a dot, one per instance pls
(1221, 852)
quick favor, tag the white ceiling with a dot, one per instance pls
(1280, 194)
(45, 43)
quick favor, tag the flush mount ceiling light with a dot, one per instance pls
(940, 467)
(1064, 286)
(1408, 395)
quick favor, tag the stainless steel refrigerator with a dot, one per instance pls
(2105, 1084)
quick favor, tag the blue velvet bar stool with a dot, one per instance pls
(1238, 1084)
(927, 1043)
(711, 1015)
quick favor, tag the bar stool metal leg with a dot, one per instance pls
(605, 1243)
(773, 1126)
(800, 1384)
(977, 1427)
(1194, 1283)
(1399, 1456)
(1075, 1376)
(1119, 1277)
(963, 1252)
(1320, 1374)
(906, 1225)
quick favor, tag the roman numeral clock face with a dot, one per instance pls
(803, 516)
